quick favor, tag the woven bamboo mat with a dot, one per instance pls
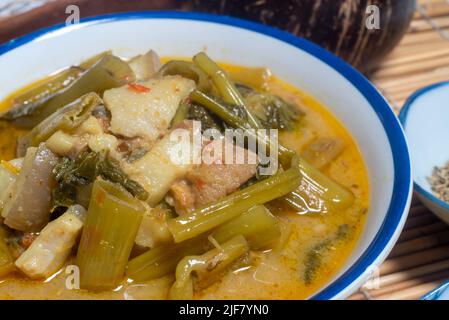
(420, 260)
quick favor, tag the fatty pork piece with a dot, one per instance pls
(159, 168)
(145, 109)
(145, 65)
(153, 229)
(48, 252)
(208, 182)
(27, 203)
(70, 144)
(8, 175)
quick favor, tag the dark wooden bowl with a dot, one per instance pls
(337, 25)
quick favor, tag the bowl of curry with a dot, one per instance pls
(168, 155)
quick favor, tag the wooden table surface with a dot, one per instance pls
(420, 260)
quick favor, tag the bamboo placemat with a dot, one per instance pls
(420, 260)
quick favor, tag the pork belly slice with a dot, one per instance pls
(145, 109)
(208, 182)
(48, 252)
(27, 203)
(156, 171)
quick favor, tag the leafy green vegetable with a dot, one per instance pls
(110, 170)
(49, 88)
(224, 85)
(207, 119)
(6, 259)
(67, 118)
(211, 121)
(136, 154)
(272, 111)
(109, 72)
(181, 113)
(314, 257)
(233, 120)
(342, 232)
(72, 175)
(313, 260)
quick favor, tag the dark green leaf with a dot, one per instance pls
(272, 110)
(314, 256)
(73, 175)
(207, 119)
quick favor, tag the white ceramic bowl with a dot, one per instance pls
(425, 117)
(345, 91)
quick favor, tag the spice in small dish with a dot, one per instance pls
(439, 182)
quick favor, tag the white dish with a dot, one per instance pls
(348, 94)
(425, 118)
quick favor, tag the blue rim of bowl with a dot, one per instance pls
(402, 168)
(436, 293)
(403, 119)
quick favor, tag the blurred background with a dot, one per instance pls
(340, 26)
(406, 48)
